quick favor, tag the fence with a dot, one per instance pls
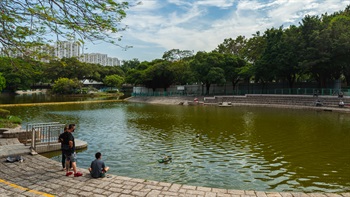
(43, 135)
(286, 91)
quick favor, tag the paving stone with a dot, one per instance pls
(189, 187)
(40, 174)
(224, 191)
(260, 194)
(205, 189)
(98, 195)
(174, 188)
(153, 187)
(317, 195)
(273, 194)
(299, 194)
(237, 192)
(139, 193)
(333, 195)
(195, 192)
(153, 193)
(115, 195)
(286, 194)
(166, 193)
(115, 189)
(210, 194)
(223, 195)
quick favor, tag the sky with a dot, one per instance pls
(157, 26)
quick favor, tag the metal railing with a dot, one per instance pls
(283, 91)
(43, 134)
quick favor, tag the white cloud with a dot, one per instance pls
(159, 25)
(216, 3)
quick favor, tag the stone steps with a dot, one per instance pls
(300, 100)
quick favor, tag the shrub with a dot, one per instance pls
(15, 119)
(66, 86)
(4, 113)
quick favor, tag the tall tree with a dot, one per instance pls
(205, 66)
(159, 75)
(182, 72)
(317, 50)
(2, 82)
(290, 52)
(113, 81)
(232, 46)
(232, 65)
(340, 38)
(265, 68)
(25, 24)
(130, 64)
(177, 54)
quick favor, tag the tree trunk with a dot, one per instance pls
(208, 88)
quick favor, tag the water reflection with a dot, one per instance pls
(237, 148)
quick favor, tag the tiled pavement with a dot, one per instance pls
(40, 176)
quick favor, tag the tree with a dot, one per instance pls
(232, 46)
(158, 75)
(113, 81)
(177, 54)
(290, 51)
(2, 82)
(20, 76)
(135, 75)
(25, 24)
(130, 64)
(66, 86)
(340, 38)
(232, 66)
(204, 65)
(182, 72)
(317, 51)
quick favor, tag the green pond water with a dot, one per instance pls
(248, 148)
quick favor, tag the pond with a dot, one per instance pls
(248, 148)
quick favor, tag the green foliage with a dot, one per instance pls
(176, 55)
(9, 121)
(2, 82)
(26, 24)
(4, 113)
(66, 86)
(113, 81)
(317, 50)
(15, 119)
(20, 73)
(158, 75)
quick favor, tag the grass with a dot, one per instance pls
(10, 122)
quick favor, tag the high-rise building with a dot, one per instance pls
(98, 58)
(66, 49)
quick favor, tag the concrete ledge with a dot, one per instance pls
(79, 144)
(38, 175)
(14, 149)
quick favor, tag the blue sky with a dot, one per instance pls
(156, 26)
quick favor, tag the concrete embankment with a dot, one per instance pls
(40, 176)
(169, 100)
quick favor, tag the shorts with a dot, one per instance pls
(103, 174)
(71, 158)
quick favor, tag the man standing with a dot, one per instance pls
(61, 139)
(69, 152)
(97, 168)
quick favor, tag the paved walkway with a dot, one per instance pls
(40, 176)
